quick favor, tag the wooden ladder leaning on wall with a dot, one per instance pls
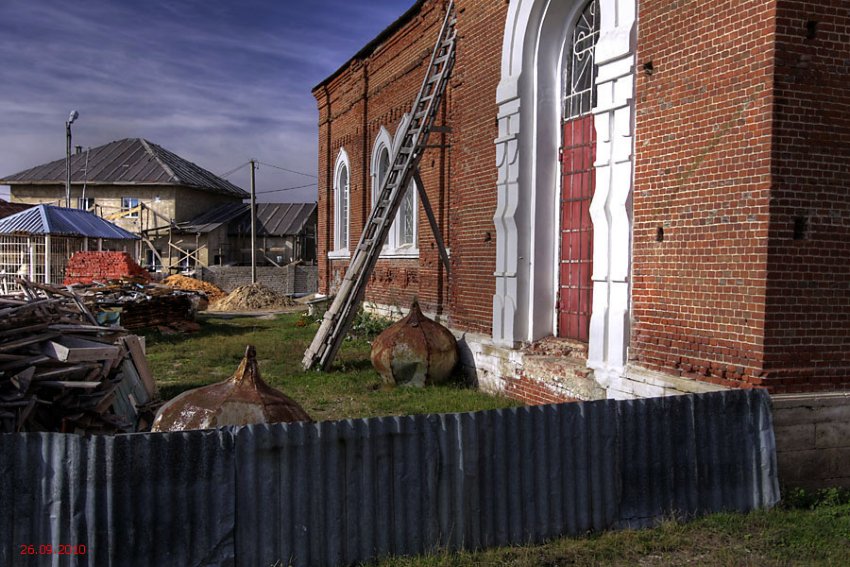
(405, 162)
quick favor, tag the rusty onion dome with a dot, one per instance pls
(415, 351)
(242, 399)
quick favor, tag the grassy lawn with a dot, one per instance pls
(785, 536)
(351, 390)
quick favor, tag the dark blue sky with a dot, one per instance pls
(215, 81)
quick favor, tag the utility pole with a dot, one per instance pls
(253, 225)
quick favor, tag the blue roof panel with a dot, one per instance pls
(59, 221)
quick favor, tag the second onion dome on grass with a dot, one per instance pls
(243, 399)
(415, 351)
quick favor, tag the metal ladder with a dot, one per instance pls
(339, 316)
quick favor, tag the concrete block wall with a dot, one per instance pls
(813, 439)
(286, 280)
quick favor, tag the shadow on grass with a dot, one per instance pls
(169, 391)
(208, 329)
(351, 365)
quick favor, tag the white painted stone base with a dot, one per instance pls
(489, 365)
(638, 382)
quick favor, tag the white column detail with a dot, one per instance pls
(611, 205)
(528, 170)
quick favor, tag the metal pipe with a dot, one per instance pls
(73, 116)
(253, 225)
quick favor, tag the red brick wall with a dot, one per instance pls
(702, 175)
(85, 267)
(807, 342)
(459, 176)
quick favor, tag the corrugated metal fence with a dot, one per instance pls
(336, 493)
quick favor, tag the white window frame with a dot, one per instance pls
(393, 248)
(125, 206)
(82, 201)
(341, 240)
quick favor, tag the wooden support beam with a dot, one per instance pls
(432, 220)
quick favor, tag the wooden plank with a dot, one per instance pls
(87, 329)
(140, 361)
(64, 371)
(25, 330)
(69, 384)
(28, 341)
(22, 379)
(68, 349)
(28, 361)
(51, 289)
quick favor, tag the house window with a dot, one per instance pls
(341, 202)
(86, 204)
(128, 203)
(152, 260)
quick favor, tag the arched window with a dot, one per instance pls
(407, 219)
(341, 201)
(405, 229)
(401, 239)
(380, 161)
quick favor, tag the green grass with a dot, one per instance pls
(351, 389)
(779, 537)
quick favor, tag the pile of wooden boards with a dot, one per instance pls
(62, 371)
(139, 306)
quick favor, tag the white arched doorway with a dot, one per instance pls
(530, 97)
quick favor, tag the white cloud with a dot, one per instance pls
(216, 82)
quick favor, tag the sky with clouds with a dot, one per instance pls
(217, 82)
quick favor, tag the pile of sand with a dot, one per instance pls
(254, 297)
(191, 284)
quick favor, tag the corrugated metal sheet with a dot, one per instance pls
(273, 219)
(214, 218)
(59, 221)
(130, 161)
(164, 499)
(337, 493)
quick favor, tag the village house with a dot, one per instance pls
(639, 197)
(285, 233)
(138, 185)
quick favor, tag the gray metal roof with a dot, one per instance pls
(58, 221)
(273, 219)
(133, 161)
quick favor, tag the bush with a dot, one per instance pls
(368, 325)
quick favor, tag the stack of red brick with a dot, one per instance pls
(85, 267)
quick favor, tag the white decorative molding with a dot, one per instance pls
(526, 220)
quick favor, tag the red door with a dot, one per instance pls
(576, 257)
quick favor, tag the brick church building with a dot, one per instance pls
(639, 197)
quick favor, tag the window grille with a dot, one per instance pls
(580, 69)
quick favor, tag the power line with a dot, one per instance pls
(287, 170)
(234, 170)
(287, 188)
